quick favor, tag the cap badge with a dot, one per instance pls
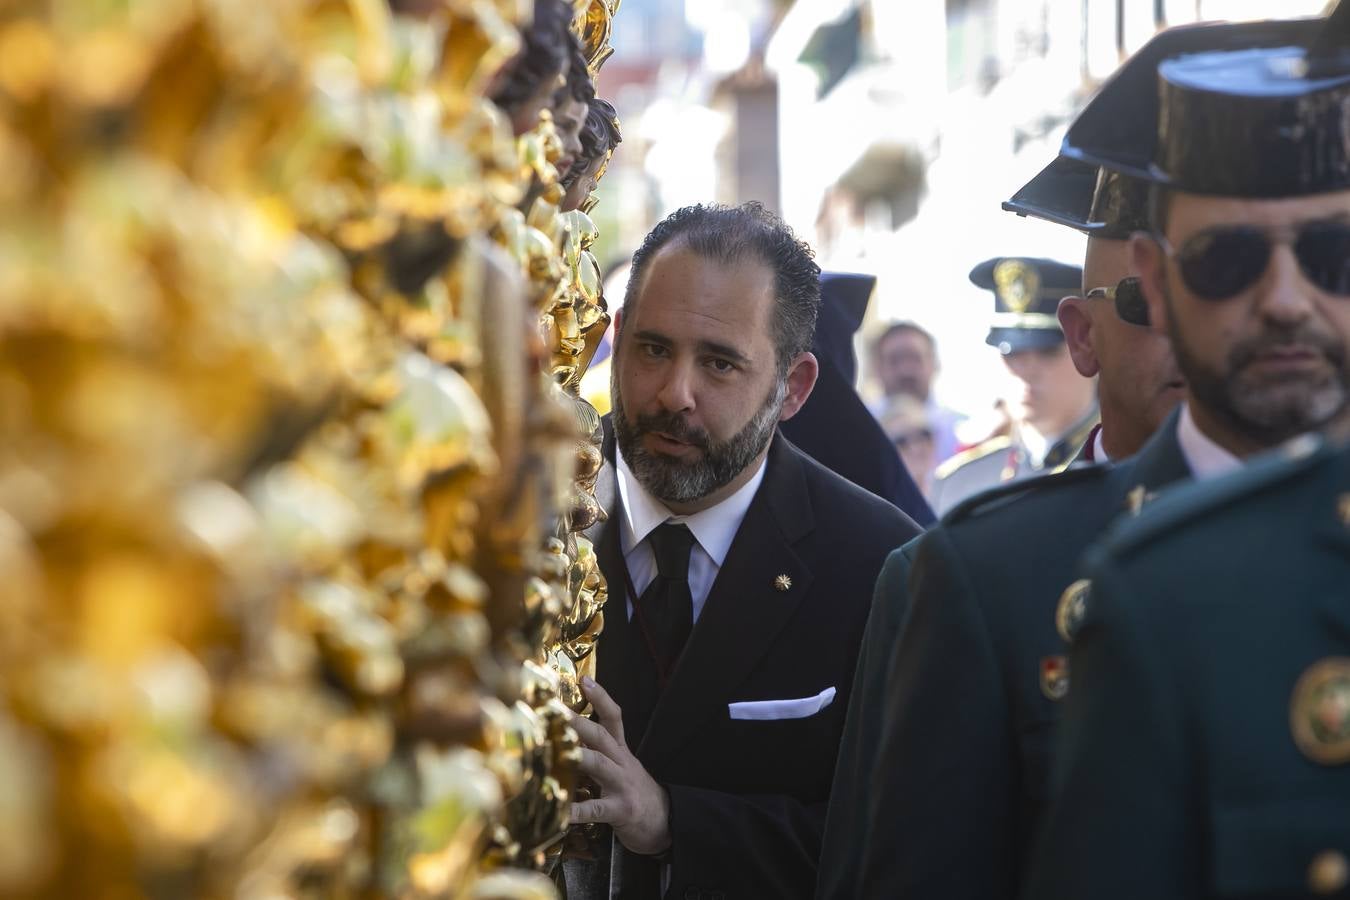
(1072, 608)
(1055, 677)
(782, 583)
(1016, 283)
(1319, 712)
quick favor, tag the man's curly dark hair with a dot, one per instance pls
(731, 234)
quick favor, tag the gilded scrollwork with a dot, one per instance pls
(292, 470)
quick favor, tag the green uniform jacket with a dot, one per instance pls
(1217, 630)
(943, 769)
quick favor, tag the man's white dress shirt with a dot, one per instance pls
(713, 528)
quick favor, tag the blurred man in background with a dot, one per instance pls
(906, 361)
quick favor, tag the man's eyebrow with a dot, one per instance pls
(726, 350)
(652, 337)
(714, 347)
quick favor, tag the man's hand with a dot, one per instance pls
(631, 801)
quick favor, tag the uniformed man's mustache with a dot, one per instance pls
(1277, 338)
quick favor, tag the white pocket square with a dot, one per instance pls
(798, 708)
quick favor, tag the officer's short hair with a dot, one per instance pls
(730, 234)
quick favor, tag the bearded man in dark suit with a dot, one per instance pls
(740, 575)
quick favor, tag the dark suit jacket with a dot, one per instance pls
(943, 773)
(748, 797)
(1216, 615)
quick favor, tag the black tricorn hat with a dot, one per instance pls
(1096, 201)
(1204, 108)
(1254, 123)
(1027, 292)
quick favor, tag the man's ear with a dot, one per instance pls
(801, 379)
(1076, 320)
(1148, 259)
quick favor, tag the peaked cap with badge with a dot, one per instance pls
(1208, 730)
(1027, 291)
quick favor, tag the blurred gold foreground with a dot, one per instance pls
(291, 458)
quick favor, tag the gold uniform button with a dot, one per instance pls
(1329, 872)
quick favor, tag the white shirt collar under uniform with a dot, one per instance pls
(1205, 458)
(1099, 453)
(713, 528)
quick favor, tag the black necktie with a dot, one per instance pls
(667, 605)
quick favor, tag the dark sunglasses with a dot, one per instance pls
(1223, 261)
(1128, 297)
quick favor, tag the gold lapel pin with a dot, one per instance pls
(1343, 508)
(1135, 499)
(782, 583)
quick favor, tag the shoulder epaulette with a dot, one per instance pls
(1195, 500)
(970, 454)
(1000, 496)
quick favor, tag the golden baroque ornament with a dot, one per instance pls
(293, 473)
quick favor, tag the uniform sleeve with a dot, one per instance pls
(943, 790)
(1117, 827)
(850, 794)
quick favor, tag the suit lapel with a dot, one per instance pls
(622, 665)
(745, 610)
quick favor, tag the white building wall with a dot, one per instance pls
(1047, 56)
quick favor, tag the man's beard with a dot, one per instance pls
(1267, 410)
(676, 481)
